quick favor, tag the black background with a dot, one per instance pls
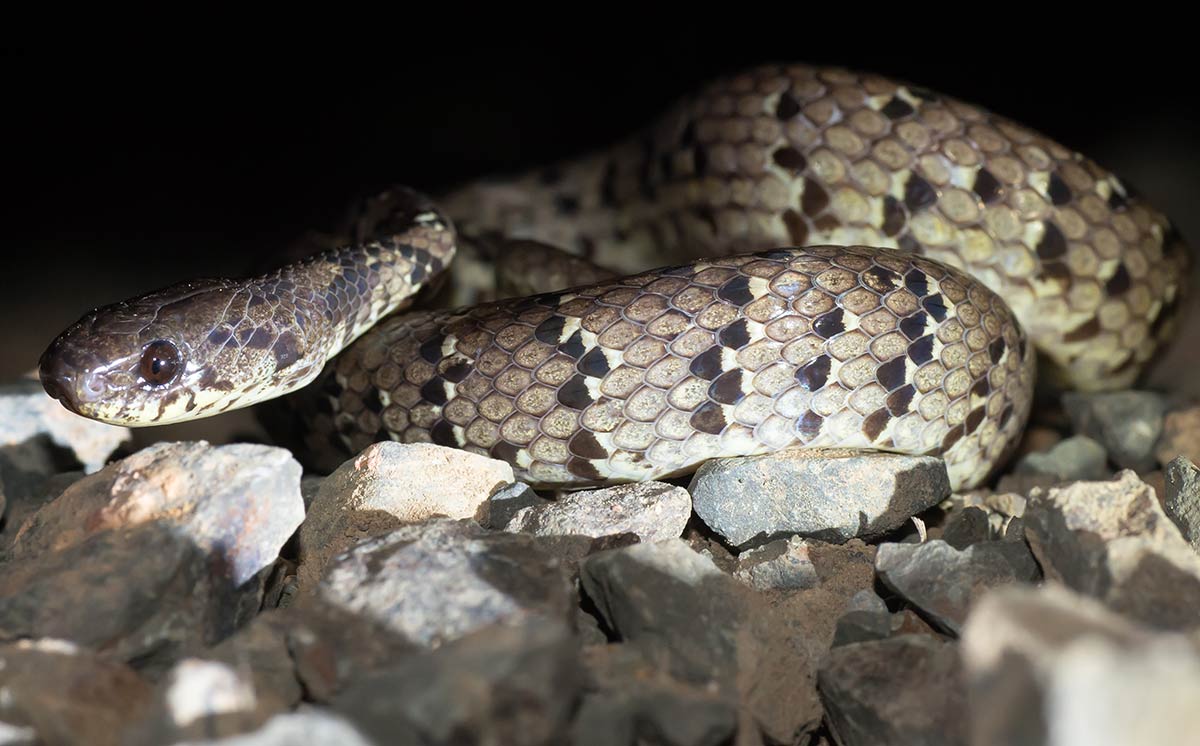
(125, 169)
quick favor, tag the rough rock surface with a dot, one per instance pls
(1127, 423)
(1048, 666)
(309, 726)
(652, 511)
(1181, 501)
(832, 496)
(706, 629)
(1111, 540)
(1180, 436)
(1078, 457)
(66, 695)
(499, 685)
(389, 485)
(437, 581)
(240, 503)
(508, 501)
(800, 564)
(32, 425)
(902, 690)
(943, 582)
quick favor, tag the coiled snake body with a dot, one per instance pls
(919, 214)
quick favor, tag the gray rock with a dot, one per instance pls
(309, 726)
(1181, 502)
(943, 582)
(437, 581)
(1112, 541)
(141, 594)
(707, 630)
(17, 735)
(1181, 435)
(240, 503)
(507, 501)
(1127, 423)
(36, 430)
(389, 485)
(29, 498)
(967, 526)
(200, 699)
(797, 564)
(499, 685)
(67, 695)
(862, 625)
(1078, 457)
(652, 511)
(902, 690)
(1048, 666)
(824, 495)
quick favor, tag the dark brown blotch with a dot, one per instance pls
(1058, 191)
(891, 374)
(921, 351)
(1053, 244)
(897, 108)
(735, 336)
(894, 216)
(1119, 282)
(796, 227)
(791, 159)
(815, 373)
(808, 427)
(585, 445)
(434, 391)
(442, 434)
(787, 107)
(707, 365)
(987, 186)
(899, 400)
(913, 326)
(815, 198)
(736, 291)
(918, 193)
(574, 393)
(550, 330)
(573, 347)
(952, 437)
(709, 418)
(875, 422)
(727, 388)
(935, 306)
(593, 364)
(831, 323)
(584, 468)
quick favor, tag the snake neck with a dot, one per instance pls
(401, 243)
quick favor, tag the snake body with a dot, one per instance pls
(937, 237)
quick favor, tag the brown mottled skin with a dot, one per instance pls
(940, 216)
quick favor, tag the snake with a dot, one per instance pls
(793, 256)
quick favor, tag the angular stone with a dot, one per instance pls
(1127, 423)
(1112, 541)
(652, 511)
(1180, 436)
(1078, 457)
(437, 581)
(1046, 665)
(1181, 502)
(831, 495)
(943, 582)
(36, 433)
(310, 726)
(389, 485)
(508, 501)
(28, 498)
(902, 690)
(501, 685)
(199, 698)
(967, 526)
(797, 564)
(240, 503)
(706, 630)
(66, 695)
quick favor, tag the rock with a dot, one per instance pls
(508, 501)
(261, 651)
(238, 503)
(499, 685)
(1048, 666)
(1112, 541)
(1078, 457)
(631, 701)
(197, 699)
(1036, 438)
(1181, 501)
(16, 735)
(653, 511)
(1180, 436)
(943, 582)
(795, 564)
(861, 625)
(29, 499)
(1126, 423)
(310, 726)
(707, 630)
(392, 484)
(902, 690)
(832, 496)
(967, 526)
(36, 432)
(437, 581)
(67, 695)
(141, 594)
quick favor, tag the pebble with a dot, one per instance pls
(707, 630)
(63, 694)
(1047, 665)
(389, 485)
(943, 582)
(832, 496)
(903, 690)
(499, 685)
(652, 511)
(1077, 457)
(309, 726)
(1180, 436)
(35, 428)
(1111, 540)
(1181, 501)
(509, 500)
(434, 582)
(800, 564)
(1127, 423)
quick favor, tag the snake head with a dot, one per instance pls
(155, 359)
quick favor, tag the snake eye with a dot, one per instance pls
(160, 362)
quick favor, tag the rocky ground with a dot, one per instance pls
(201, 594)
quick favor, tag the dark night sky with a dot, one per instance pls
(127, 171)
